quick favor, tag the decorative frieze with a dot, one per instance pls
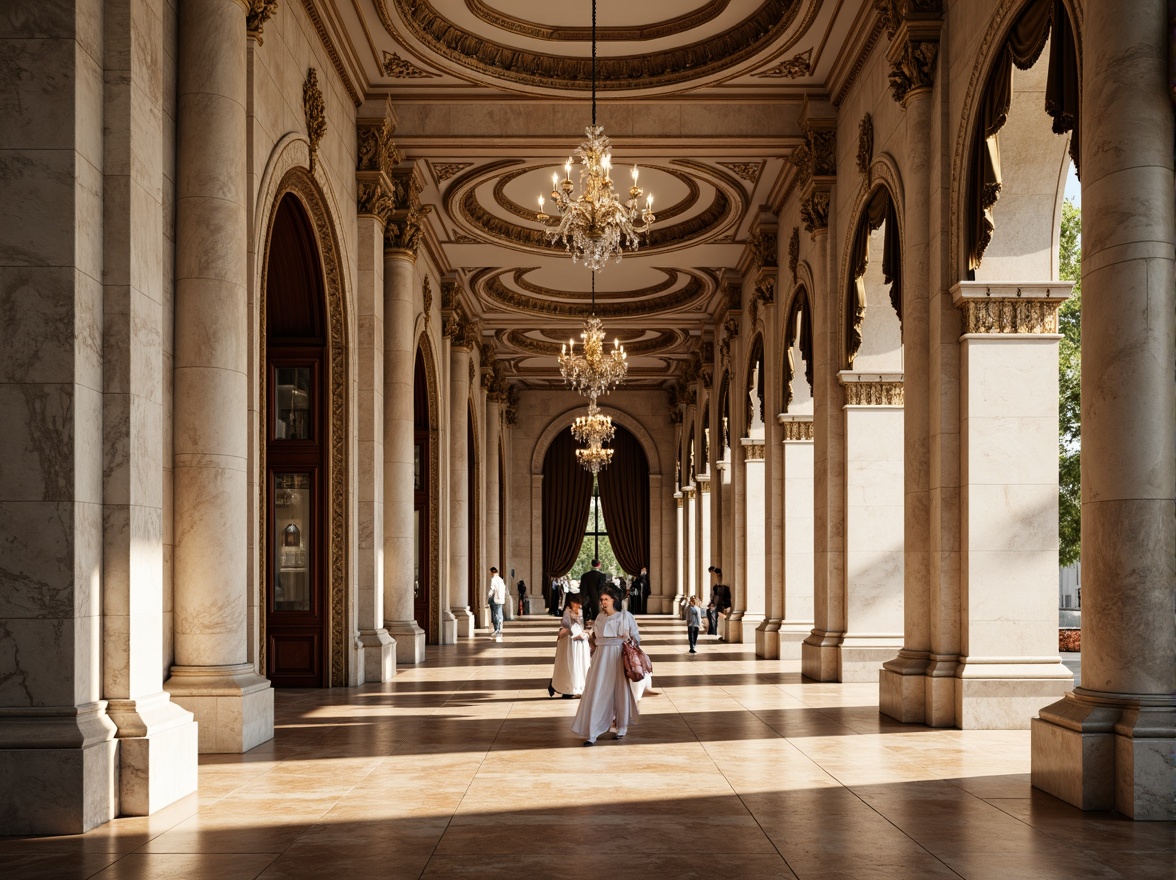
(259, 12)
(880, 392)
(797, 429)
(1010, 308)
(794, 68)
(753, 449)
(315, 111)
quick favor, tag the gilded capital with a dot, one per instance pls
(881, 393)
(374, 148)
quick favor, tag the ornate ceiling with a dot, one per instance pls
(492, 96)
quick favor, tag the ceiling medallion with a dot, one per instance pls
(595, 226)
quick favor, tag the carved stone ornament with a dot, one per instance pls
(1010, 316)
(373, 199)
(814, 211)
(873, 394)
(765, 286)
(763, 248)
(914, 68)
(512, 405)
(448, 295)
(817, 156)
(798, 430)
(794, 252)
(753, 451)
(446, 170)
(865, 152)
(427, 295)
(753, 310)
(890, 14)
(675, 416)
(734, 291)
(315, 111)
(375, 150)
(403, 227)
(260, 11)
(795, 67)
(749, 171)
(397, 68)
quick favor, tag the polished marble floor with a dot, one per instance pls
(463, 767)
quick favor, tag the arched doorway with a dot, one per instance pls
(473, 505)
(297, 460)
(422, 501)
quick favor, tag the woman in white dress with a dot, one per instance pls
(608, 700)
(571, 653)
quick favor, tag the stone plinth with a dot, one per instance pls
(233, 705)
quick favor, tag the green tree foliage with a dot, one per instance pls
(1069, 387)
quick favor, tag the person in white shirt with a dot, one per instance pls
(497, 600)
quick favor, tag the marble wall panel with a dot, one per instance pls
(52, 661)
(37, 193)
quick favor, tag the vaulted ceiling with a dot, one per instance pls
(492, 96)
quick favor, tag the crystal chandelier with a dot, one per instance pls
(594, 458)
(596, 225)
(593, 374)
(593, 429)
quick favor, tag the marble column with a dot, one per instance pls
(1109, 743)
(680, 555)
(901, 682)
(157, 738)
(749, 605)
(797, 527)
(821, 650)
(58, 756)
(704, 536)
(690, 585)
(726, 526)
(399, 375)
(873, 523)
(459, 500)
(214, 676)
(377, 649)
(492, 528)
(767, 634)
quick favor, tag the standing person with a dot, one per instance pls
(591, 584)
(640, 591)
(571, 654)
(693, 622)
(556, 597)
(522, 588)
(722, 599)
(608, 699)
(497, 600)
(712, 610)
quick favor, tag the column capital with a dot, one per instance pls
(403, 224)
(257, 13)
(913, 27)
(1010, 308)
(753, 448)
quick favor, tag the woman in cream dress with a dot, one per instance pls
(571, 653)
(608, 699)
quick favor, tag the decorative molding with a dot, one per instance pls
(445, 170)
(879, 393)
(398, 68)
(859, 63)
(511, 414)
(913, 28)
(1010, 315)
(794, 68)
(796, 429)
(913, 68)
(711, 10)
(794, 252)
(427, 296)
(749, 171)
(489, 285)
(333, 53)
(865, 151)
(315, 111)
(374, 147)
(814, 211)
(403, 226)
(259, 12)
(753, 450)
(664, 341)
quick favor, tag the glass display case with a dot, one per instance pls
(291, 542)
(292, 403)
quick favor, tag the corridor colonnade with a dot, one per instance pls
(136, 507)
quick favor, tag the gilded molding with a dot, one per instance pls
(794, 252)
(859, 63)
(427, 296)
(511, 414)
(798, 430)
(398, 68)
(664, 341)
(814, 211)
(718, 53)
(913, 69)
(873, 394)
(259, 12)
(445, 170)
(328, 44)
(315, 111)
(489, 285)
(794, 68)
(668, 28)
(1010, 315)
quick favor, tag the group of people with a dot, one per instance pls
(589, 663)
(634, 596)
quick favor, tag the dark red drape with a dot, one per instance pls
(624, 498)
(567, 498)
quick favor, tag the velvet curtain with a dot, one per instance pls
(880, 208)
(567, 499)
(803, 337)
(624, 498)
(1025, 42)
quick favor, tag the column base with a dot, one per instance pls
(901, 687)
(1005, 696)
(449, 628)
(465, 620)
(1106, 751)
(820, 656)
(233, 705)
(862, 656)
(767, 639)
(410, 641)
(60, 769)
(939, 691)
(158, 742)
(377, 655)
(792, 635)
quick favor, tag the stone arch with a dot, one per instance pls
(884, 178)
(429, 358)
(989, 52)
(564, 420)
(756, 353)
(296, 180)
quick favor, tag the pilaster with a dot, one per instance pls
(797, 527)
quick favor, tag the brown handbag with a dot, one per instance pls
(637, 662)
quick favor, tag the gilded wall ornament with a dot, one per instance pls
(374, 147)
(397, 68)
(260, 11)
(814, 211)
(315, 111)
(749, 171)
(427, 296)
(865, 151)
(794, 252)
(794, 68)
(798, 430)
(914, 68)
(1010, 315)
(446, 170)
(873, 394)
(448, 295)
(512, 405)
(753, 452)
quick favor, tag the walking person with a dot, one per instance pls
(608, 700)
(571, 654)
(591, 584)
(497, 596)
(640, 591)
(693, 622)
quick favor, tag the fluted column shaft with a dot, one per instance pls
(459, 501)
(1110, 742)
(399, 363)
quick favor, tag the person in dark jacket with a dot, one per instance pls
(639, 592)
(591, 583)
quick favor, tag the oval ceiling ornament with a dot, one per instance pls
(714, 55)
(492, 286)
